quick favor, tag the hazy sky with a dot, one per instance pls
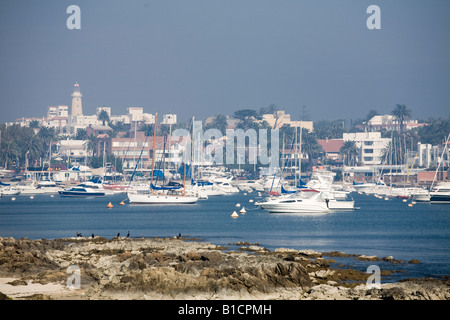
(205, 57)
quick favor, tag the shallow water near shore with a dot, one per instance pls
(380, 227)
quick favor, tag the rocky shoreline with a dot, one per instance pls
(188, 269)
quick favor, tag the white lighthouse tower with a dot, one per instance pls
(76, 101)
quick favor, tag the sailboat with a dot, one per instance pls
(439, 193)
(163, 194)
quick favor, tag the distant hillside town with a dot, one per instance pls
(66, 139)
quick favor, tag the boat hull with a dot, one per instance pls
(425, 197)
(440, 198)
(161, 199)
(81, 194)
(294, 208)
(341, 205)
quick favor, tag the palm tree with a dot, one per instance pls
(350, 151)
(47, 135)
(9, 152)
(34, 124)
(401, 113)
(34, 148)
(91, 144)
(81, 134)
(148, 129)
(220, 123)
(310, 146)
(103, 116)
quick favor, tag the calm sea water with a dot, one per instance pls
(379, 227)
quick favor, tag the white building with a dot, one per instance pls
(57, 112)
(370, 145)
(390, 122)
(427, 155)
(73, 149)
(169, 119)
(279, 118)
(77, 109)
(57, 118)
(136, 114)
(81, 122)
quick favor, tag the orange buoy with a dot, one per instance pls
(109, 205)
(122, 203)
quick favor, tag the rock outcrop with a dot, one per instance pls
(168, 268)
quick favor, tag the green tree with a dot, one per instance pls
(164, 130)
(434, 131)
(401, 113)
(148, 129)
(310, 146)
(246, 118)
(329, 129)
(220, 123)
(81, 134)
(245, 114)
(90, 145)
(33, 149)
(103, 116)
(9, 153)
(350, 152)
(34, 124)
(47, 135)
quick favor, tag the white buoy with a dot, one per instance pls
(404, 200)
(242, 210)
(238, 205)
(234, 214)
(251, 200)
(31, 197)
(410, 205)
(413, 202)
(245, 193)
(52, 195)
(13, 199)
(386, 198)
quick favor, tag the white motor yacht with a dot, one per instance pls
(339, 203)
(30, 189)
(9, 191)
(81, 191)
(421, 195)
(440, 193)
(225, 186)
(206, 188)
(305, 201)
(48, 186)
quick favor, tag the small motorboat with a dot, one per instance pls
(80, 191)
(10, 191)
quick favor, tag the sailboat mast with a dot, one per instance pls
(184, 175)
(153, 152)
(300, 159)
